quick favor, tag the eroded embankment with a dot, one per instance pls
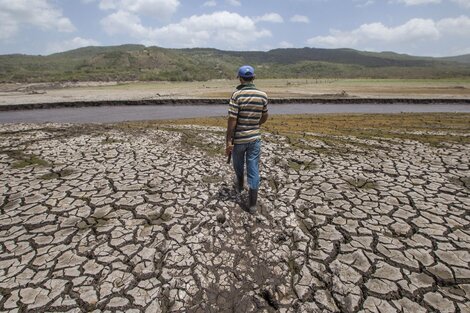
(145, 219)
(76, 104)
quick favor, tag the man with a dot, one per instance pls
(248, 110)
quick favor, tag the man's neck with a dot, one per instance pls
(244, 83)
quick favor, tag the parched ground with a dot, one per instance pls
(129, 218)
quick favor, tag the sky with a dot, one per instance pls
(416, 27)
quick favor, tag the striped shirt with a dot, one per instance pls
(249, 104)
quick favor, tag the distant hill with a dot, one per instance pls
(137, 62)
(461, 59)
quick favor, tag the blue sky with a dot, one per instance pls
(418, 27)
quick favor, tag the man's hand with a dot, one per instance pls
(231, 124)
(228, 149)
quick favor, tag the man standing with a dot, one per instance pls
(248, 110)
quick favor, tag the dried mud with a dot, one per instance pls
(147, 220)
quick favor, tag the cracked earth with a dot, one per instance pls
(100, 218)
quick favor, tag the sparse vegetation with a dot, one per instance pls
(189, 138)
(23, 160)
(430, 128)
(298, 165)
(30, 160)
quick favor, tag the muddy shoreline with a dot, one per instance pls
(379, 101)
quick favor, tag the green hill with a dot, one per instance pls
(137, 62)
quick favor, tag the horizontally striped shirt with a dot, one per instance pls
(249, 104)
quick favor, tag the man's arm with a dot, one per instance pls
(231, 123)
(264, 118)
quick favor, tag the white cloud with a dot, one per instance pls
(270, 17)
(337, 39)
(463, 3)
(235, 3)
(459, 26)
(423, 36)
(220, 29)
(412, 31)
(210, 3)
(71, 44)
(300, 19)
(39, 13)
(123, 22)
(418, 2)
(161, 9)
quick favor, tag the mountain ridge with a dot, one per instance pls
(138, 62)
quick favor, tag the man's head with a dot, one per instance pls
(246, 73)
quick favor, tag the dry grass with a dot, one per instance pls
(432, 128)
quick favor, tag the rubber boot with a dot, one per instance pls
(253, 198)
(240, 183)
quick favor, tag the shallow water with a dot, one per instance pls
(109, 114)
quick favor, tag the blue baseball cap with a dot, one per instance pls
(246, 71)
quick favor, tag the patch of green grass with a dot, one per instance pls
(190, 140)
(23, 159)
(30, 161)
(298, 165)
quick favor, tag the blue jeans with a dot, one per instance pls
(250, 152)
